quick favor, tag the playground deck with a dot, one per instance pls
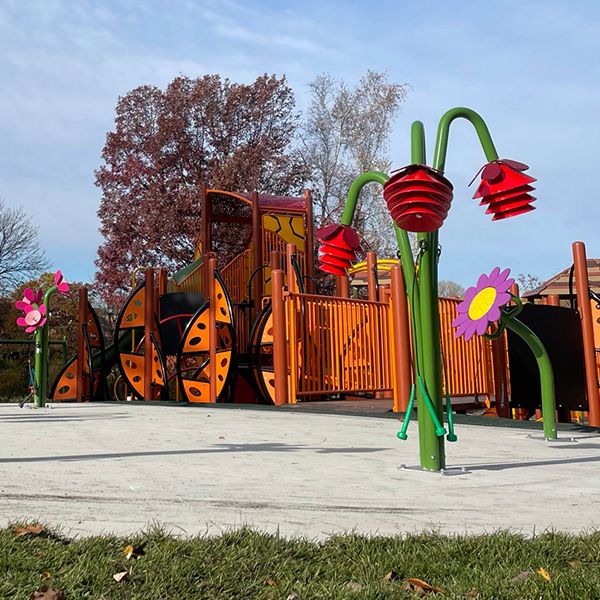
(94, 468)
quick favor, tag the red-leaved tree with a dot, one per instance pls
(165, 144)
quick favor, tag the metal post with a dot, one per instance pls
(148, 328)
(292, 281)
(553, 300)
(372, 275)
(499, 367)
(343, 285)
(587, 328)
(82, 319)
(212, 328)
(257, 237)
(162, 282)
(400, 341)
(309, 243)
(280, 367)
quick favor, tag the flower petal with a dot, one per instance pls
(482, 281)
(21, 322)
(493, 275)
(482, 325)
(501, 299)
(494, 313)
(470, 294)
(470, 330)
(28, 294)
(460, 320)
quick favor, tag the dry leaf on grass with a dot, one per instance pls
(46, 593)
(132, 551)
(391, 576)
(473, 594)
(31, 529)
(118, 577)
(293, 596)
(270, 582)
(412, 584)
(46, 575)
(575, 564)
(541, 571)
(354, 586)
(522, 576)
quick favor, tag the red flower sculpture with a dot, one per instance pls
(339, 245)
(505, 188)
(418, 197)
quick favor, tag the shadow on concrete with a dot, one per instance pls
(39, 418)
(532, 463)
(216, 449)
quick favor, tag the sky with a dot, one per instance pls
(528, 67)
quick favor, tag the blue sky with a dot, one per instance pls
(529, 67)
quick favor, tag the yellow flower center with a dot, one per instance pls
(481, 304)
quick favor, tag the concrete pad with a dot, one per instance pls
(96, 468)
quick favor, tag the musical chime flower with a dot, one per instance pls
(339, 245)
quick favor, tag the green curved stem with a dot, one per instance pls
(401, 235)
(441, 142)
(417, 143)
(40, 381)
(546, 374)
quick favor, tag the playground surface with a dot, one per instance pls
(100, 468)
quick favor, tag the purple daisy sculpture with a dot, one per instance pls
(482, 303)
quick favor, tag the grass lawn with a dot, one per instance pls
(250, 565)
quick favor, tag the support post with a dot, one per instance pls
(309, 243)
(400, 341)
(499, 368)
(280, 366)
(587, 328)
(162, 282)
(212, 329)
(292, 280)
(81, 321)
(148, 329)
(553, 300)
(343, 286)
(257, 242)
(372, 276)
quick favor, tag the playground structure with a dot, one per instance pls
(249, 327)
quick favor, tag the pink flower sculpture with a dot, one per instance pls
(29, 297)
(34, 313)
(482, 304)
(61, 285)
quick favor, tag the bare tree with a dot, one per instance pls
(528, 282)
(450, 289)
(345, 133)
(21, 257)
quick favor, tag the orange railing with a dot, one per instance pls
(468, 365)
(341, 345)
(236, 275)
(336, 345)
(275, 243)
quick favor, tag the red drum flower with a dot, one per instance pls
(339, 245)
(505, 189)
(418, 198)
(482, 303)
